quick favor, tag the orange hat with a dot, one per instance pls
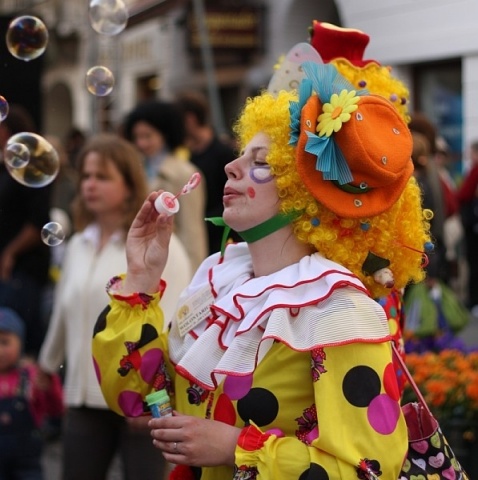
(334, 42)
(353, 149)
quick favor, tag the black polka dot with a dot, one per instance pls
(148, 334)
(100, 324)
(259, 405)
(314, 472)
(361, 385)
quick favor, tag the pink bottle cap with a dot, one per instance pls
(166, 203)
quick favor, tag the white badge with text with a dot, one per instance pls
(194, 310)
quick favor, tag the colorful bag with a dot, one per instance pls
(429, 454)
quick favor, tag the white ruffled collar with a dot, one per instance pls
(249, 313)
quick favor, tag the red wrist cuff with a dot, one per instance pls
(137, 298)
(251, 438)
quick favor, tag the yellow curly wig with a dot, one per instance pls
(378, 80)
(398, 235)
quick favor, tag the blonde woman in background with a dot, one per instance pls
(111, 188)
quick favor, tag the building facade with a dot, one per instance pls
(430, 44)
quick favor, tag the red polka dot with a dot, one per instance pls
(390, 382)
(224, 410)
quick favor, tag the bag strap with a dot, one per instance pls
(412, 383)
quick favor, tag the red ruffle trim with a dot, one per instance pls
(251, 438)
(138, 298)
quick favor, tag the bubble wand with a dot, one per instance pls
(168, 203)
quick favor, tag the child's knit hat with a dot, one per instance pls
(10, 321)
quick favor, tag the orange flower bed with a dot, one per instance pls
(448, 381)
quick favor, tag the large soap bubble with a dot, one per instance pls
(108, 17)
(27, 37)
(4, 108)
(43, 165)
(52, 234)
(100, 81)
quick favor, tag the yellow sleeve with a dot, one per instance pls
(355, 426)
(130, 351)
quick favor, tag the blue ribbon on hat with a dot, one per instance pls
(325, 80)
(305, 91)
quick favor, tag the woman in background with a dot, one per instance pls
(111, 188)
(158, 131)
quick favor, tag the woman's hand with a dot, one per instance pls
(147, 246)
(188, 440)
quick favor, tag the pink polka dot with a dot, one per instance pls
(150, 364)
(383, 413)
(237, 387)
(131, 403)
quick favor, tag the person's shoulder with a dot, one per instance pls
(178, 169)
(76, 238)
(76, 244)
(474, 170)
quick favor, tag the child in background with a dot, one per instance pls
(25, 399)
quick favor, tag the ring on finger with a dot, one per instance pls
(175, 447)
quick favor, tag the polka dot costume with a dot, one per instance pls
(325, 411)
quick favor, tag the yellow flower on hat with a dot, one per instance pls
(337, 112)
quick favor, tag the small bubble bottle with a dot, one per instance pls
(159, 403)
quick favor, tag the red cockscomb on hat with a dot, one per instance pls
(334, 42)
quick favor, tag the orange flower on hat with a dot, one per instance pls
(336, 112)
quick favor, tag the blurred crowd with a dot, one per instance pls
(50, 297)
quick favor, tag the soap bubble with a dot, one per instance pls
(27, 37)
(44, 163)
(4, 108)
(52, 234)
(99, 81)
(108, 17)
(17, 155)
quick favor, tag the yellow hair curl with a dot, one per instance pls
(398, 235)
(379, 81)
